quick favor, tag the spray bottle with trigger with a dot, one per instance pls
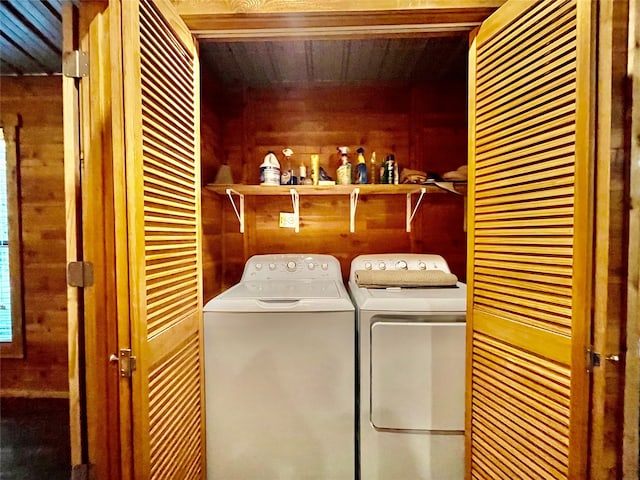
(361, 168)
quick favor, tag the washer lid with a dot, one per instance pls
(282, 295)
(287, 289)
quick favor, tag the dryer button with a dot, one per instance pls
(367, 265)
(272, 266)
(311, 266)
(382, 266)
(401, 265)
(422, 266)
(291, 266)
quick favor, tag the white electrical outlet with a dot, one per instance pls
(287, 220)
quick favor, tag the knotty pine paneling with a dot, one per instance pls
(43, 372)
(424, 126)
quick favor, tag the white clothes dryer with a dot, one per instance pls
(411, 349)
(280, 373)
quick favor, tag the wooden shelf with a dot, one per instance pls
(432, 187)
(354, 191)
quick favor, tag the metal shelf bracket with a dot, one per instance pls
(411, 211)
(295, 199)
(240, 209)
(353, 202)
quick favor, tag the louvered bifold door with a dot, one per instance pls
(529, 241)
(161, 115)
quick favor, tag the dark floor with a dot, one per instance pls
(34, 439)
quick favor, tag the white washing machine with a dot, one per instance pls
(280, 373)
(411, 369)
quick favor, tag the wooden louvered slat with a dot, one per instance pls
(507, 285)
(524, 88)
(158, 160)
(159, 146)
(555, 250)
(156, 101)
(534, 257)
(555, 283)
(531, 459)
(518, 139)
(161, 319)
(520, 32)
(515, 105)
(526, 59)
(521, 302)
(544, 190)
(530, 57)
(524, 266)
(523, 127)
(539, 139)
(155, 149)
(174, 425)
(520, 408)
(162, 125)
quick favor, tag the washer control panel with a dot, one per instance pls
(291, 266)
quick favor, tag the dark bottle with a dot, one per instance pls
(389, 169)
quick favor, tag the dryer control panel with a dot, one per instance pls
(292, 266)
(400, 261)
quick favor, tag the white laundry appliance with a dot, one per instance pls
(411, 349)
(280, 373)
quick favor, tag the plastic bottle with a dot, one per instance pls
(344, 170)
(361, 168)
(288, 177)
(270, 170)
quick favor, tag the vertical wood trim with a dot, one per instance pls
(72, 184)
(607, 392)
(135, 232)
(631, 443)
(199, 267)
(11, 128)
(583, 238)
(470, 213)
(121, 238)
(99, 326)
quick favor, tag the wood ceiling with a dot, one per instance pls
(31, 40)
(380, 60)
(30, 37)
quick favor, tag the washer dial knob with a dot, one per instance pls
(291, 266)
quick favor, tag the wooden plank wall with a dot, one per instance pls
(425, 127)
(43, 371)
(211, 156)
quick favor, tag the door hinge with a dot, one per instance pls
(80, 274)
(593, 359)
(126, 362)
(75, 64)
